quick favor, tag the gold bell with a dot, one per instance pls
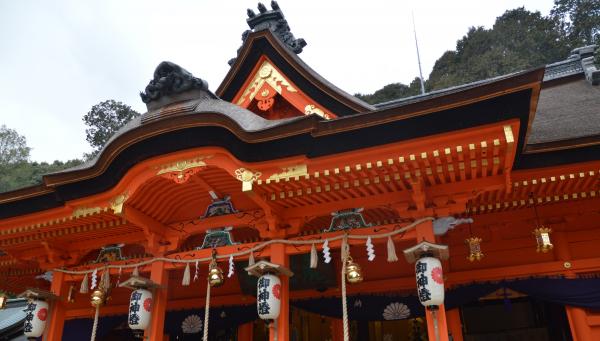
(215, 274)
(98, 298)
(353, 272)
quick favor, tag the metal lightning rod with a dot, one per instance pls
(418, 55)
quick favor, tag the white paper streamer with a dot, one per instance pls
(370, 250)
(231, 265)
(326, 253)
(196, 273)
(94, 279)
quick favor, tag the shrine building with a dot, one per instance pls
(280, 207)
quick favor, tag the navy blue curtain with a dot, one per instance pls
(81, 329)
(583, 292)
(574, 292)
(222, 319)
(365, 307)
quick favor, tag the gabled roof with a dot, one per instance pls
(265, 43)
(270, 37)
(568, 109)
(201, 120)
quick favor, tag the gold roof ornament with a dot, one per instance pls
(263, 267)
(38, 294)
(138, 282)
(426, 248)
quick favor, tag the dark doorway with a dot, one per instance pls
(515, 320)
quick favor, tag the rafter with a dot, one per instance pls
(154, 231)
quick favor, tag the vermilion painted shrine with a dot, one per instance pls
(282, 208)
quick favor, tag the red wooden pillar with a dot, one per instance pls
(58, 307)
(580, 329)
(278, 256)
(245, 332)
(425, 232)
(454, 324)
(337, 330)
(160, 276)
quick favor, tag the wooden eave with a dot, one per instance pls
(306, 135)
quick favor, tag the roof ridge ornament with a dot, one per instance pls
(275, 21)
(169, 83)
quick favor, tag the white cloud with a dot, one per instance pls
(59, 58)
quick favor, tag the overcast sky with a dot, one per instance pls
(58, 58)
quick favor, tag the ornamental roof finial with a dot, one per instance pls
(170, 84)
(275, 21)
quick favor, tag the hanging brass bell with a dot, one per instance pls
(215, 275)
(98, 298)
(353, 272)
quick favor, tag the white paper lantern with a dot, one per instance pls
(430, 281)
(140, 308)
(35, 318)
(268, 297)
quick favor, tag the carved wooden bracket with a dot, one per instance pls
(155, 232)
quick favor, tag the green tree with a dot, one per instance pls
(392, 91)
(13, 147)
(103, 120)
(25, 174)
(518, 40)
(580, 19)
(15, 169)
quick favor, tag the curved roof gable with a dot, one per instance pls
(264, 44)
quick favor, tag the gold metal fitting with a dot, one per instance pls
(474, 244)
(542, 237)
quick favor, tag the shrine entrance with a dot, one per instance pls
(515, 319)
(305, 326)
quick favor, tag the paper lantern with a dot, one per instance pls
(268, 296)
(430, 281)
(542, 238)
(475, 253)
(36, 314)
(140, 307)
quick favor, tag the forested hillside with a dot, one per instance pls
(519, 40)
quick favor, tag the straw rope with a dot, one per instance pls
(344, 299)
(253, 249)
(95, 326)
(206, 311)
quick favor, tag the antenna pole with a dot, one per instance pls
(418, 55)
